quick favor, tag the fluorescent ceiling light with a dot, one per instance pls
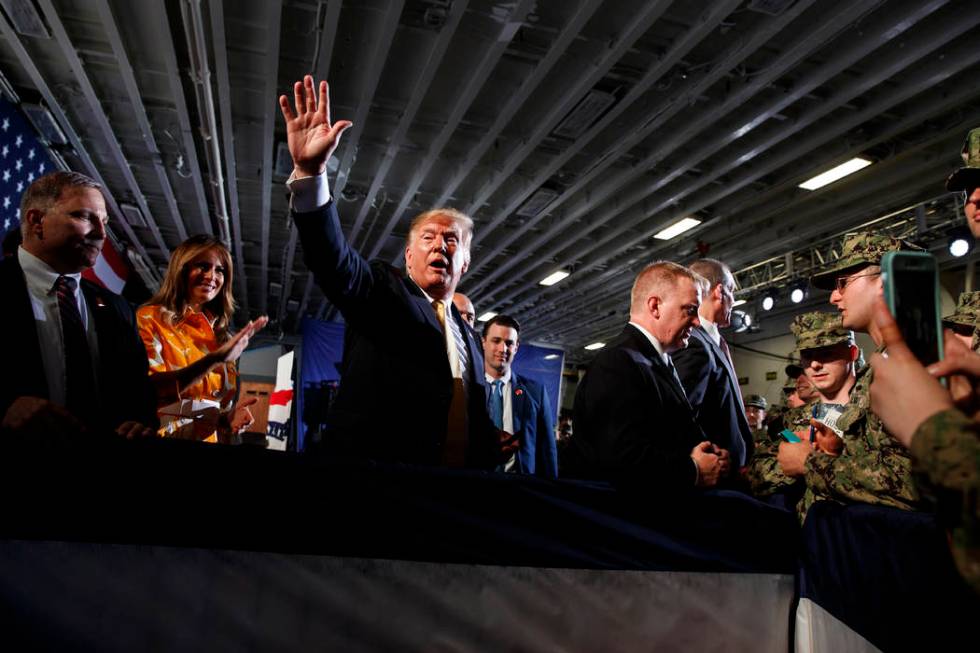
(486, 317)
(832, 175)
(595, 345)
(553, 278)
(738, 302)
(677, 228)
(551, 357)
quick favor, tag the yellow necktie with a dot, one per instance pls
(454, 448)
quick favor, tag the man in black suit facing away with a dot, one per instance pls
(706, 369)
(73, 359)
(412, 387)
(633, 423)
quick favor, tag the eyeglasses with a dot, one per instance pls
(843, 281)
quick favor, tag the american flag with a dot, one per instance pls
(22, 160)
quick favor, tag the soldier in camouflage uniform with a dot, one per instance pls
(963, 321)
(945, 442)
(828, 353)
(872, 467)
(755, 412)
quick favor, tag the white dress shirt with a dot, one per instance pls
(711, 329)
(507, 418)
(40, 278)
(664, 356)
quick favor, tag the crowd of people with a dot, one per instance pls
(660, 409)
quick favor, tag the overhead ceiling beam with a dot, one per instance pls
(321, 68)
(273, 18)
(70, 55)
(419, 91)
(909, 172)
(682, 101)
(572, 29)
(161, 22)
(228, 140)
(882, 68)
(37, 78)
(477, 79)
(139, 113)
(371, 77)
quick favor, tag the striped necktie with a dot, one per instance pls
(457, 429)
(80, 393)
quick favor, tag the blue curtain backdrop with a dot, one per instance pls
(323, 347)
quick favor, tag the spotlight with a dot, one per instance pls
(959, 245)
(741, 321)
(798, 292)
(768, 301)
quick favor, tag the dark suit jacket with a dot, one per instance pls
(396, 384)
(534, 425)
(124, 385)
(633, 424)
(713, 391)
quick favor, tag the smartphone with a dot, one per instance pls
(789, 436)
(911, 283)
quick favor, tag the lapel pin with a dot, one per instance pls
(518, 392)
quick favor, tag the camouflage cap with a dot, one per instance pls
(968, 177)
(860, 250)
(967, 309)
(756, 400)
(819, 329)
(789, 386)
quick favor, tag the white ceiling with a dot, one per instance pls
(709, 109)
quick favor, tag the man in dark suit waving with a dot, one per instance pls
(633, 423)
(706, 368)
(518, 404)
(412, 384)
(73, 359)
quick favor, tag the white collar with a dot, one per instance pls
(711, 329)
(505, 378)
(664, 356)
(40, 276)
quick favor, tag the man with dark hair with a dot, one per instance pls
(516, 403)
(76, 358)
(706, 368)
(633, 423)
(413, 388)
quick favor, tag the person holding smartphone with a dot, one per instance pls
(777, 471)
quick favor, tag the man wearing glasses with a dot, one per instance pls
(871, 467)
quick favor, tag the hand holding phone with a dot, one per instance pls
(911, 288)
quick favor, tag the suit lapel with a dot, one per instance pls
(518, 402)
(22, 330)
(657, 363)
(719, 353)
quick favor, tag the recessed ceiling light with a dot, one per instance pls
(554, 278)
(595, 345)
(835, 173)
(677, 228)
(486, 317)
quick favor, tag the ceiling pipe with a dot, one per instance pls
(228, 140)
(273, 23)
(197, 49)
(139, 113)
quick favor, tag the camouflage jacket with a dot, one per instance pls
(946, 451)
(763, 472)
(872, 467)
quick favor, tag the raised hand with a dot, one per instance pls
(233, 348)
(310, 135)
